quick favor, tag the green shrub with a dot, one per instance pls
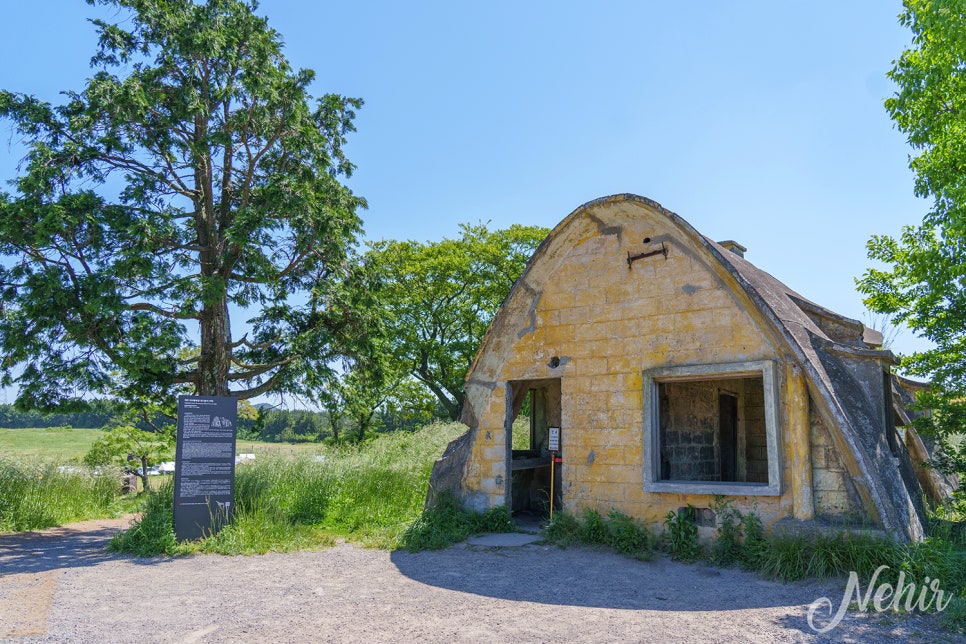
(954, 617)
(564, 529)
(755, 543)
(786, 558)
(628, 536)
(619, 531)
(789, 557)
(739, 538)
(727, 548)
(682, 534)
(593, 530)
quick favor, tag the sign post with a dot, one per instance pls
(204, 473)
(554, 447)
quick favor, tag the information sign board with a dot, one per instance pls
(204, 475)
(554, 442)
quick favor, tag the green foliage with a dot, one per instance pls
(727, 546)
(448, 522)
(923, 283)
(789, 557)
(437, 299)
(121, 442)
(619, 531)
(124, 443)
(369, 493)
(628, 537)
(192, 173)
(682, 534)
(739, 539)
(354, 396)
(37, 494)
(593, 530)
(564, 529)
(409, 406)
(946, 424)
(755, 544)
(289, 425)
(786, 558)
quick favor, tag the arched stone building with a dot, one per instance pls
(676, 370)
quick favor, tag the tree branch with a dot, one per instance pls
(145, 306)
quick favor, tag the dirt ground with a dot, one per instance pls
(61, 586)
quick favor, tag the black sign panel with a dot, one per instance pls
(204, 474)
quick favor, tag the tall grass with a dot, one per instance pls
(940, 557)
(368, 494)
(38, 494)
(448, 522)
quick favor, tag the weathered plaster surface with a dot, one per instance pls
(835, 494)
(607, 322)
(580, 301)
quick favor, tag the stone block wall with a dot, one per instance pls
(832, 489)
(606, 323)
(756, 443)
(690, 446)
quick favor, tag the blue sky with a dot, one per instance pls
(758, 121)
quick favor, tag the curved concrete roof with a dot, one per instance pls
(828, 347)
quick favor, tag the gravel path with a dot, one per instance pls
(60, 585)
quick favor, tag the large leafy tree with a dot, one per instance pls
(437, 299)
(924, 280)
(193, 176)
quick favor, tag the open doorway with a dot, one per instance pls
(533, 407)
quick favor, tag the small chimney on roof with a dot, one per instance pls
(734, 247)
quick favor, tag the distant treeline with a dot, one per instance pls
(264, 423)
(286, 425)
(300, 425)
(101, 412)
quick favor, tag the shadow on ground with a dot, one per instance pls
(589, 577)
(78, 545)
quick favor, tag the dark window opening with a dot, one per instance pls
(713, 430)
(728, 431)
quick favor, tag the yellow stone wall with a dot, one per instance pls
(830, 478)
(607, 323)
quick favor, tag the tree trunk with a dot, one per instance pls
(144, 473)
(453, 410)
(215, 359)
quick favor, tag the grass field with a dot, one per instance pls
(61, 444)
(261, 448)
(67, 445)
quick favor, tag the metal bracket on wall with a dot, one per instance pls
(633, 258)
